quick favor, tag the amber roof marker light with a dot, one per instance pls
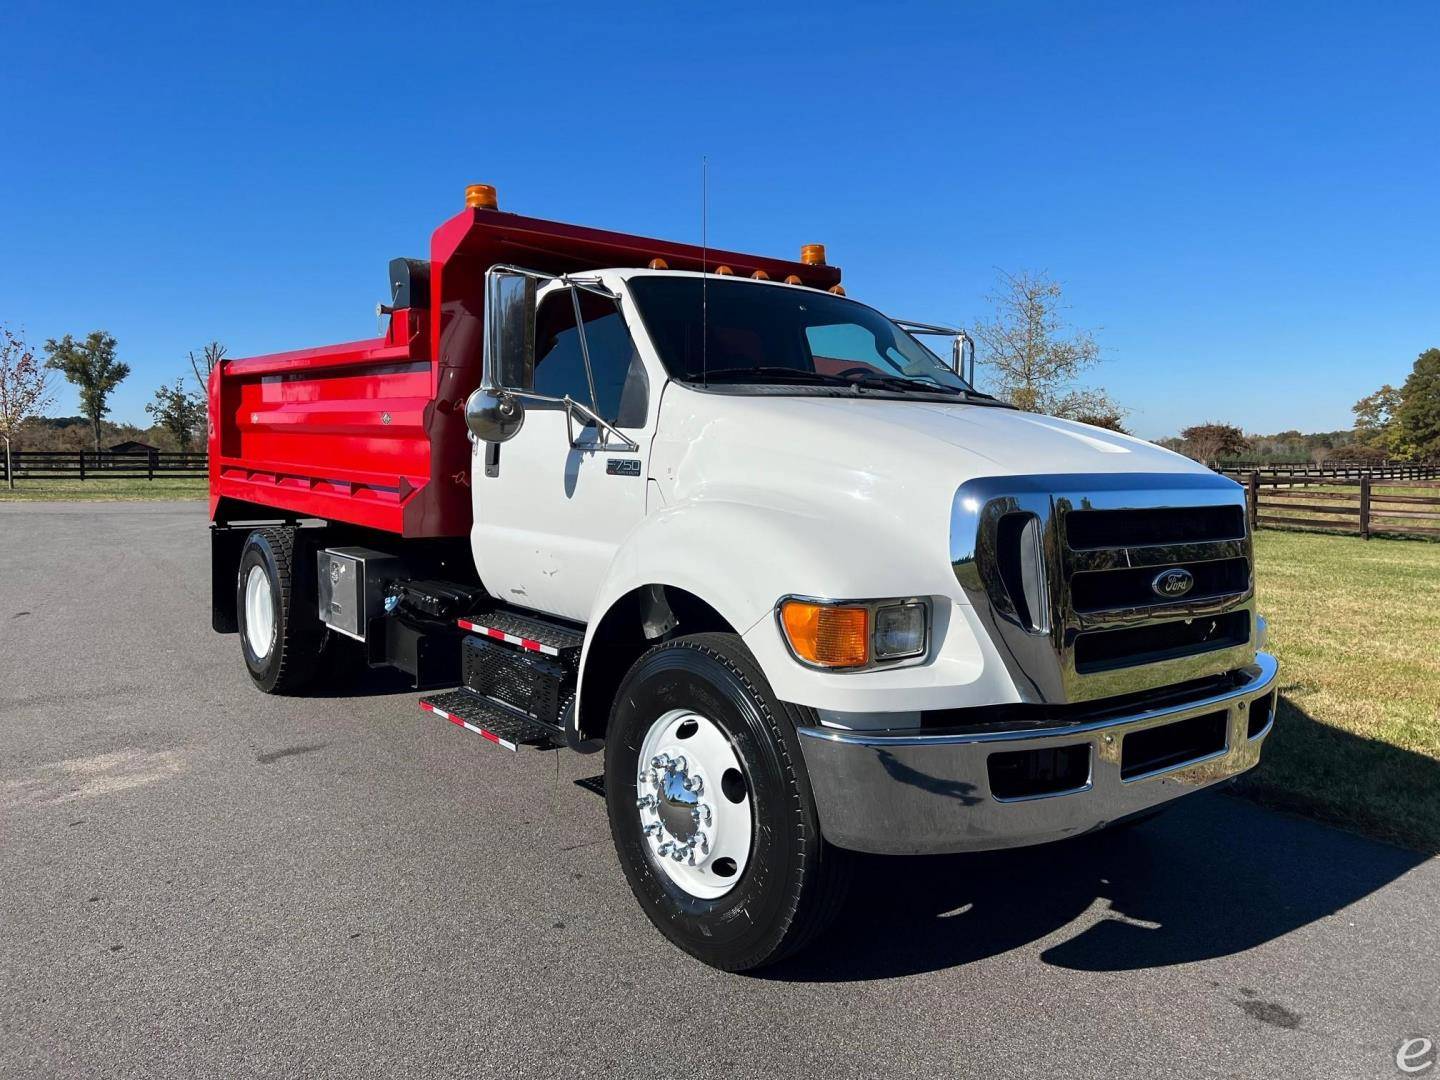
(481, 197)
(813, 254)
(658, 264)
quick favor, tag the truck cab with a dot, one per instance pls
(807, 589)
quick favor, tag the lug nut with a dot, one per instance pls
(660, 761)
(703, 844)
(677, 852)
(678, 763)
(654, 829)
(694, 785)
(666, 848)
(644, 802)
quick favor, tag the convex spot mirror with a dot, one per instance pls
(493, 415)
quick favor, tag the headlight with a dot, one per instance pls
(899, 631)
(855, 633)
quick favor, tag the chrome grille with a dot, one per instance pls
(1068, 574)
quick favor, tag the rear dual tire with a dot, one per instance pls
(788, 884)
(285, 644)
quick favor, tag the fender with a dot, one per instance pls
(742, 558)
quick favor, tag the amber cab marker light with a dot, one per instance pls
(724, 270)
(481, 197)
(760, 275)
(793, 279)
(659, 264)
(813, 254)
(838, 290)
(827, 635)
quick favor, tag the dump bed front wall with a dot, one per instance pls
(373, 432)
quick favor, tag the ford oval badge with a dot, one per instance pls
(1173, 583)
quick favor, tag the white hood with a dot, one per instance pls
(729, 436)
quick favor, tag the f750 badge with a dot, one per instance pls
(617, 466)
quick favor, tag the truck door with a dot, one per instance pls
(553, 503)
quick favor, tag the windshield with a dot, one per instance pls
(766, 334)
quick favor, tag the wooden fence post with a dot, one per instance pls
(1365, 507)
(150, 456)
(1253, 498)
(82, 464)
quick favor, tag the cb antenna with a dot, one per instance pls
(704, 259)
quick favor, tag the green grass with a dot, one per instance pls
(1356, 627)
(110, 490)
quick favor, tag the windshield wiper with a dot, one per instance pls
(909, 386)
(776, 375)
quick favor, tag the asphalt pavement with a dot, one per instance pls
(197, 880)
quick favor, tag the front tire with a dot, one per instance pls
(754, 880)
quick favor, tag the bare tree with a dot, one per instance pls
(24, 389)
(204, 364)
(1036, 359)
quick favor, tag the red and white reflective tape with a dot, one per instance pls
(500, 635)
(506, 743)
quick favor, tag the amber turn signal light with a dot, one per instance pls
(659, 264)
(481, 197)
(827, 635)
(813, 254)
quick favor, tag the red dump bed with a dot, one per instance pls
(373, 432)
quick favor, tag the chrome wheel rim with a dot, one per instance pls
(259, 613)
(694, 804)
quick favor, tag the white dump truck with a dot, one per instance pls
(806, 589)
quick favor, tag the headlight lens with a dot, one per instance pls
(899, 631)
(854, 634)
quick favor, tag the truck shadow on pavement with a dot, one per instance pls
(1213, 876)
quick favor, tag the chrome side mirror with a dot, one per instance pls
(494, 416)
(963, 356)
(509, 359)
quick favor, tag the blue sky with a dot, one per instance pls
(1243, 200)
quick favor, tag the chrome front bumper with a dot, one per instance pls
(918, 792)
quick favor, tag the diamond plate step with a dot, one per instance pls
(502, 726)
(537, 635)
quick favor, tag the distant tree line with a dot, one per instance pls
(1390, 425)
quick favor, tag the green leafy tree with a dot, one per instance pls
(24, 389)
(91, 365)
(179, 411)
(1417, 419)
(1035, 359)
(1375, 417)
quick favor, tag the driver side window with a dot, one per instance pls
(621, 386)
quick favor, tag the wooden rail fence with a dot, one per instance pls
(1362, 506)
(1340, 470)
(90, 465)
